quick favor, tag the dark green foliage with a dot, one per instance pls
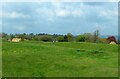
(70, 37)
(80, 50)
(5, 37)
(96, 52)
(60, 38)
(65, 38)
(80, 38)
(22, 36)
(45, 38)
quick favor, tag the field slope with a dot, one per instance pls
(45, 59)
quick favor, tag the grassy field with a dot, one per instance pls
(45, 59)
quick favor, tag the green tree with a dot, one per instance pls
(80, 38)
(22, 36)
(5, 36)
(12, 36)
(96, 36)
(88, 37)
(69, 37)
(31, 35)
(45, 38)
(60, 38)
(65, 38)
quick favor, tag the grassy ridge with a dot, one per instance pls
(48, 59)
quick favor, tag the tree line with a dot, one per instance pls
(86, 37)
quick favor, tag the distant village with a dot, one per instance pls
(87, 37)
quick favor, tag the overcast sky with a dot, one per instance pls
(60, 17)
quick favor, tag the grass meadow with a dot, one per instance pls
(60, 59)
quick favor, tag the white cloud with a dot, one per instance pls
(45, 11)
(51, 13)
(108, 13)
(56, 4)
(15, 15)
(103, 13)
(77, 13)
(62, 12)
(20, 28)
(98, 26)
(67, 10)
(1, 14)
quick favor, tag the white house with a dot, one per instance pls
(16, 39)
(112, 42)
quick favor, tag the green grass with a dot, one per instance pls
(45, 59)
(0, 58)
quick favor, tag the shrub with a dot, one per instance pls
(60, 38)
(89, 37)
(46, 38)
(102, 40)
(65, 38)
(80, 38)
(70, 37)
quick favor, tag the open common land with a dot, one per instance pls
(60, 59)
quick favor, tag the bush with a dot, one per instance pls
(70, 37)
(102, 40)
(80, 38)
(89, 37)
(92, 37)
(46, 38)
(60, 38)
(65, 38)
(36, 38)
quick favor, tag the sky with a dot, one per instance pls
(59, 17)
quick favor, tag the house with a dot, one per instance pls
(16, 39)
(111, 40)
